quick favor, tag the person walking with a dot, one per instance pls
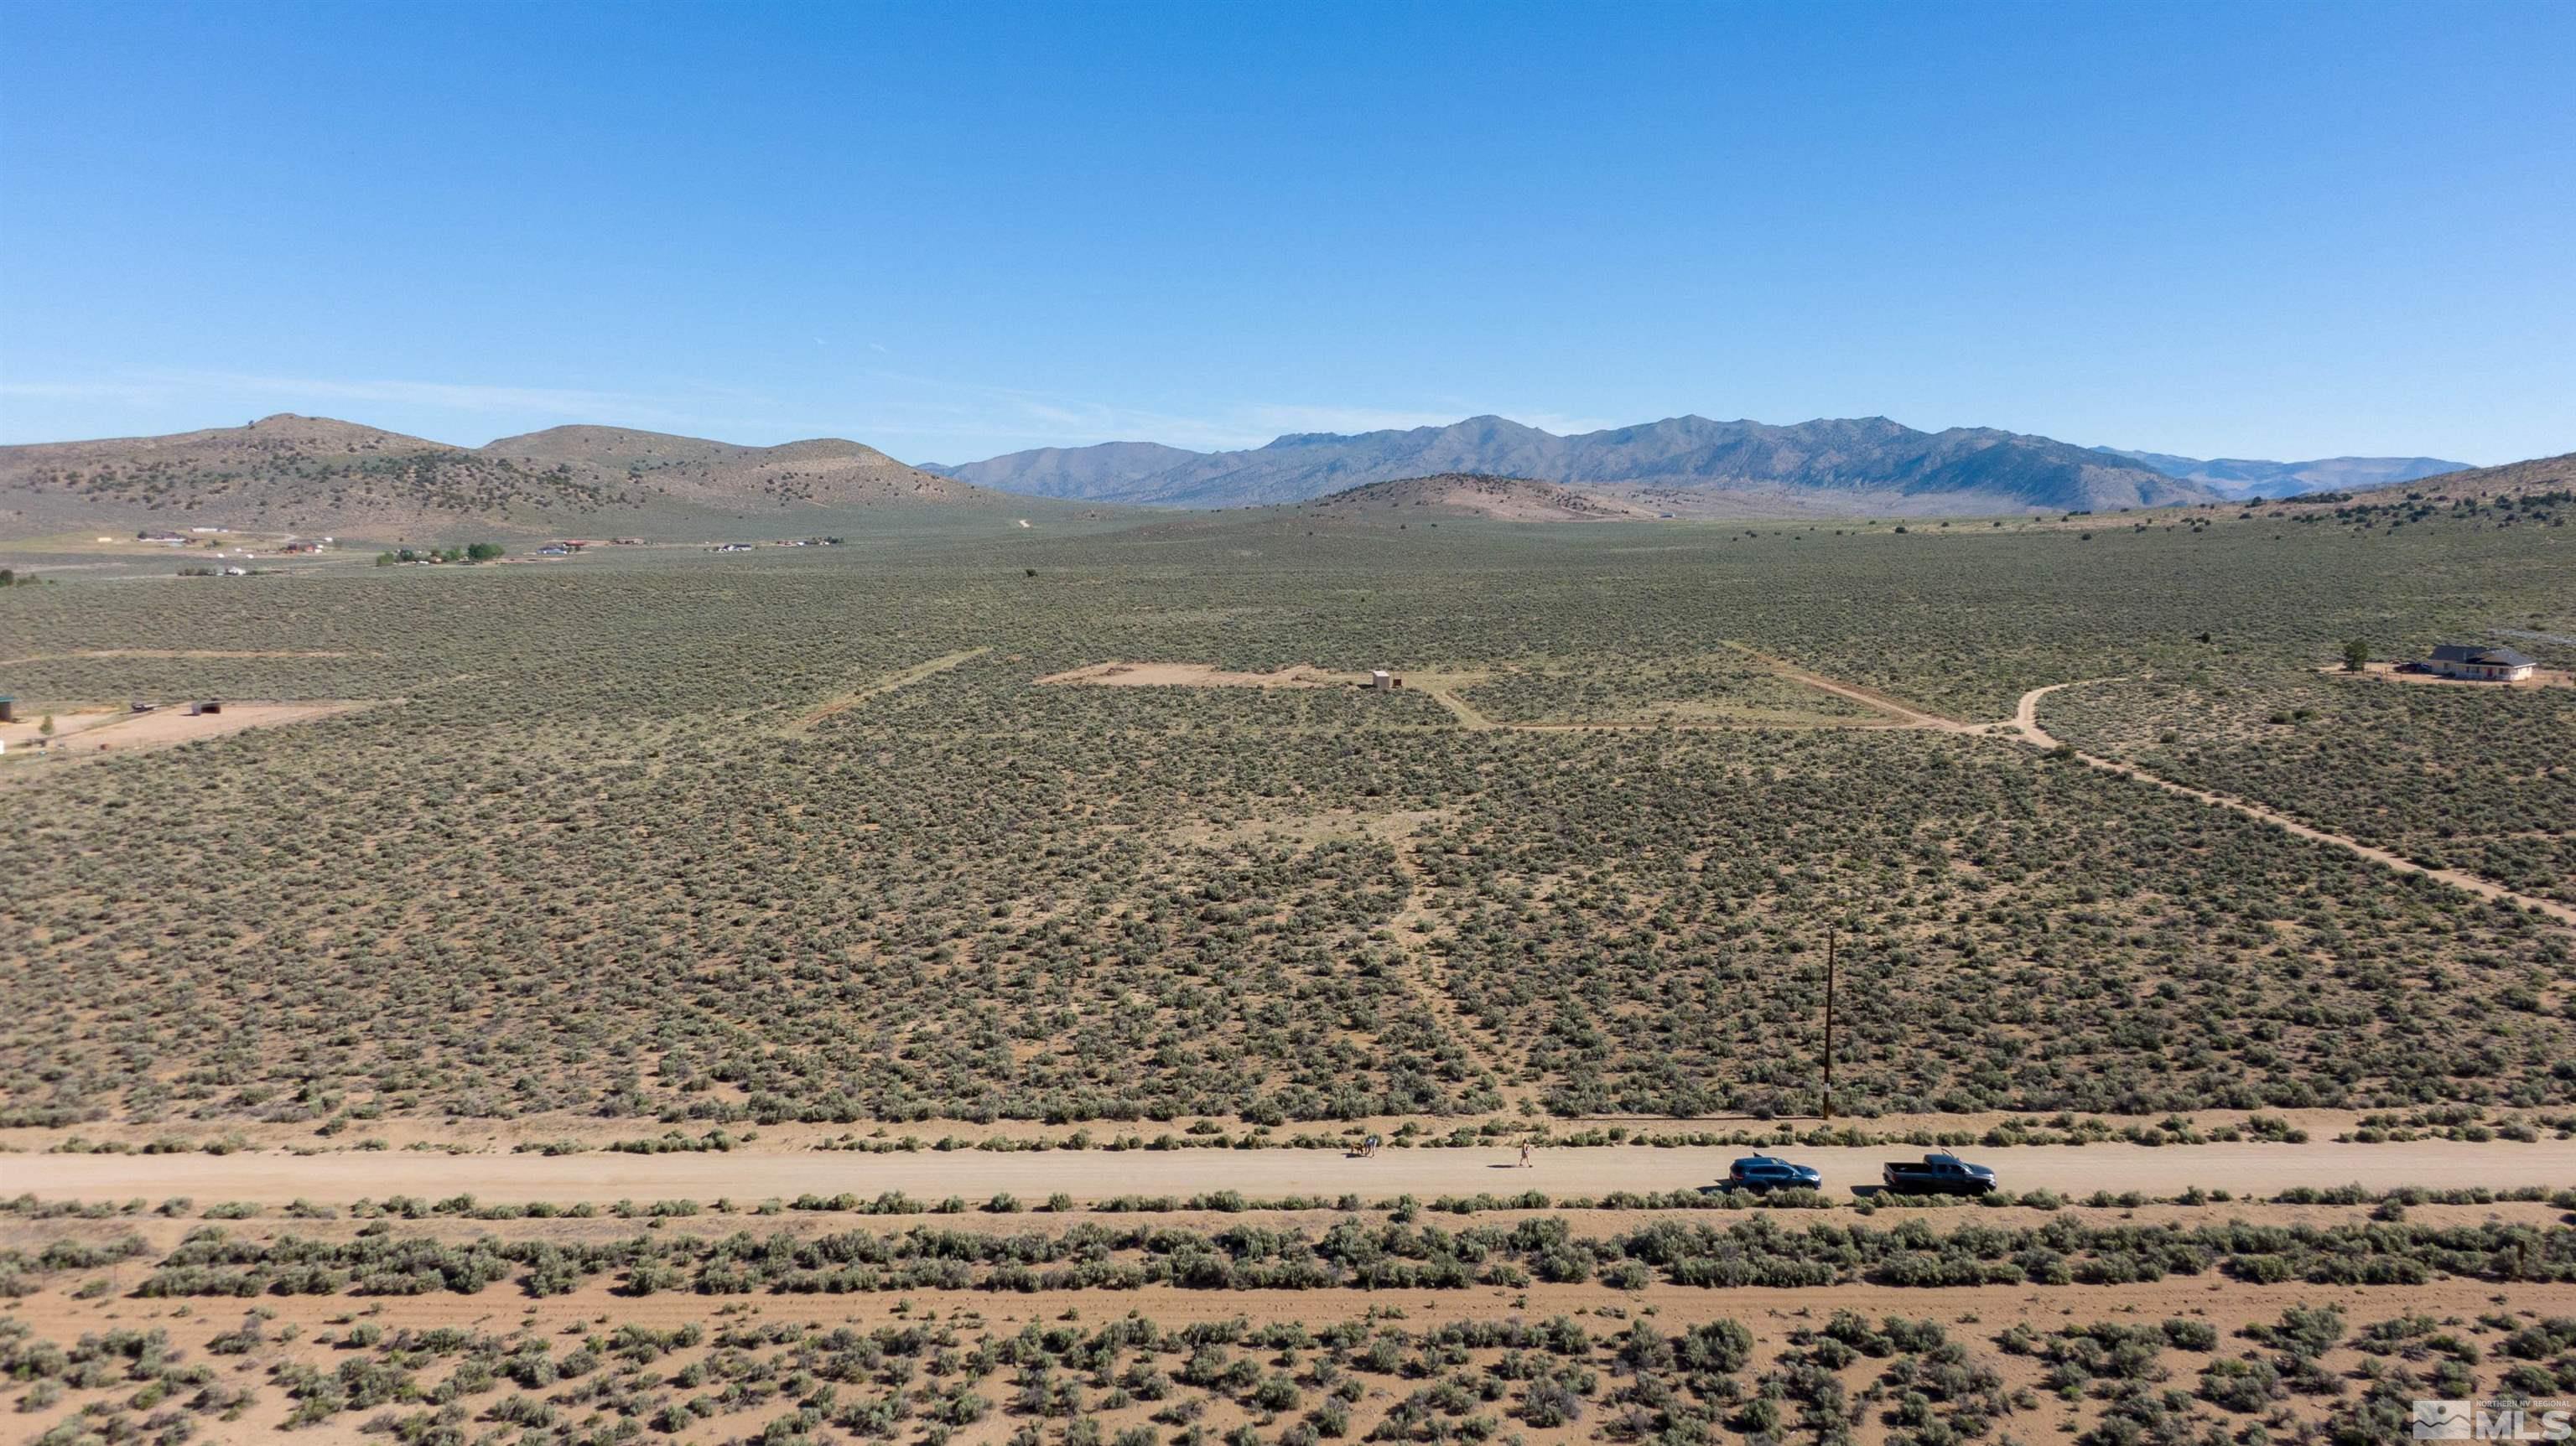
(1525, 1164)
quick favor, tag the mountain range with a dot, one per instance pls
(313, 474)
(1867, 464)
(2244, 479)
(316, 475)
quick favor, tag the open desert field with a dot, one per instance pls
(1470, 723)
(940, 993)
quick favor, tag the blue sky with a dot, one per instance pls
(2276, 230)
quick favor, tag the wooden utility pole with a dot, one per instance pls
(1829, 1023)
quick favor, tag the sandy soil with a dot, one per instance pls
(264, 1178)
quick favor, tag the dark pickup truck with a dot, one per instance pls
(1938, 1175)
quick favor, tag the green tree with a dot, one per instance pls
(384, 559)
(484, 551)
(2356, 656)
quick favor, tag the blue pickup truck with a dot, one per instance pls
(1761, 1174)
(1938, 1175)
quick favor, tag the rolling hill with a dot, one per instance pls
(1475, 494)
(316, 475)
(1867, 464)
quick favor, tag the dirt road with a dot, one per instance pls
(2246, 1169)
(2026, 717)
(885, 685)
(1467, 714)
(1904, 713)
(2026, 712)
(2025, 723)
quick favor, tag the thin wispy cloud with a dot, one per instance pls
(920, 417)
(81, 391)
(1275, 419)
(453, 396)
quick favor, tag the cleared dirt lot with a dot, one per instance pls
(1200, 675)
(2245, 1169)
(2391, 673)
(95, 733)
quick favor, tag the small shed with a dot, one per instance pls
(1381, 680)
(8, 710)
(207, 706)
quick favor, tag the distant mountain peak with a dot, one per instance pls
(1869, 463)
(2244, 478)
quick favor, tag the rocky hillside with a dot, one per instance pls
(1867, 464)
(2539, 476)
(313, 474)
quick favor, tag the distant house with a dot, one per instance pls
(2486, 665)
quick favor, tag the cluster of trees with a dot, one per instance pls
(471, 552)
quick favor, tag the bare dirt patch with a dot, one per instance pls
(97, 733)
(1202, 675)
(2395, 673)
